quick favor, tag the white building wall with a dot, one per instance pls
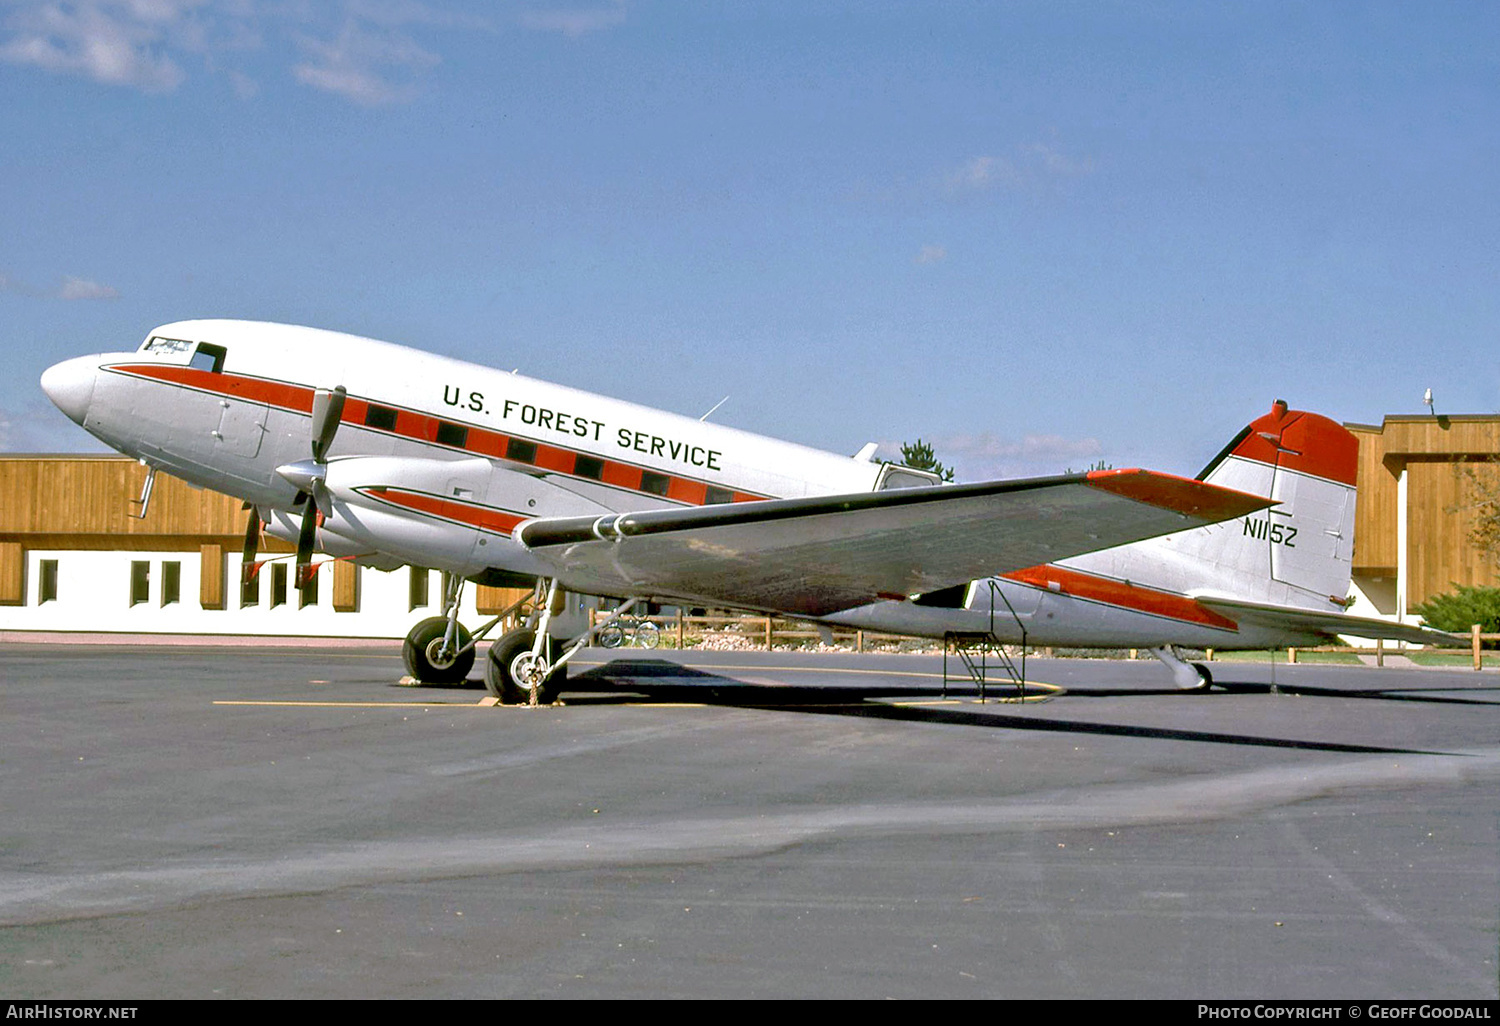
(94, 595)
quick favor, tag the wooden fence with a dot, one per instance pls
(674, 631)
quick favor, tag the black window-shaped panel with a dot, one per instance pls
(520, 450)
(417, 588)
(654, 483)
(590, 467)
(140, 582)
(717, 496)
(452, 434)
(171, 582)
(380, 417)
(47, 589)
(278, 584)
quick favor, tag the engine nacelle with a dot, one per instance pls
(454, 515)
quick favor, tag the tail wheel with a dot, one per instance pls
(500, 671)
(428, 660)
(1205, 679)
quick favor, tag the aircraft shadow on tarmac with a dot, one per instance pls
(664, 681)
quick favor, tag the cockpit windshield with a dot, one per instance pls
(199, 355)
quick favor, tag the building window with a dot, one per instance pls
(47, 587)
(278, 584)
(307, 592)
(171, 582)
(249, 584)
(140, 581)
(417, 594)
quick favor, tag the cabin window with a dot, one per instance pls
(382, 418)
(717, 496)
(452, 434)
(171, 582)
(520, 450)
(589, 466)
(140, 581)
(47, 587)
(654, 483)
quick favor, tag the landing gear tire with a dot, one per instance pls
(1205, 679)
(505, 660)
(422, 651)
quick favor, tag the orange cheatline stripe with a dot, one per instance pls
(423, 427)
(486, 518)
(1122, 594)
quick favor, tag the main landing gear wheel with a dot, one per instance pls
(426, 658)
(507, 666)
(1205, 679)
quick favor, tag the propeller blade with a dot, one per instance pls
(248, 566)
(327, 409)
(305, 539)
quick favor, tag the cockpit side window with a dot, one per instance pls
(208, 358)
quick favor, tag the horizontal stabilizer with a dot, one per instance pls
(1332, 624)
(815, 556)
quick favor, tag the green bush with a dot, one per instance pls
(1458, 610)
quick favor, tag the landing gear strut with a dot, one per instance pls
(439, 650)
(521, 667)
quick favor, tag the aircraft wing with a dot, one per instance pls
(1331, 624)
(815, 556)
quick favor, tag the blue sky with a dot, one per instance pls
(1036, 234)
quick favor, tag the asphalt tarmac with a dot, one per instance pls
(200, 822)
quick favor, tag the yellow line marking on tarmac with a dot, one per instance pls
(350, 705)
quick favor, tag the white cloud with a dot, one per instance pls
(360, 64)
(361, 50)
(1029, 165)
(116, 42)
(82, 288)
(574, 22)
(930, 255)
(71, 288)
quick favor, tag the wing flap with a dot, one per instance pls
(1330, 624)
(818, 555)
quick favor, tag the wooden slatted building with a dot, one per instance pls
(73, 558)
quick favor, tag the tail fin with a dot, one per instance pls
(1299, 552)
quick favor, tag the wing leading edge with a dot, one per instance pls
(818, 555)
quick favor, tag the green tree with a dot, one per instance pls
(919, 456)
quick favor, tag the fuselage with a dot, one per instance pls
(436, 461)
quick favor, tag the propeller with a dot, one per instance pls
(249, 568)
(327, 412)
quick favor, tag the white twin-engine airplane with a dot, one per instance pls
(389, 456)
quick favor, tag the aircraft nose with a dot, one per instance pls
(70, 385)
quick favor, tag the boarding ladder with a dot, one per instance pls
(978, 650)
